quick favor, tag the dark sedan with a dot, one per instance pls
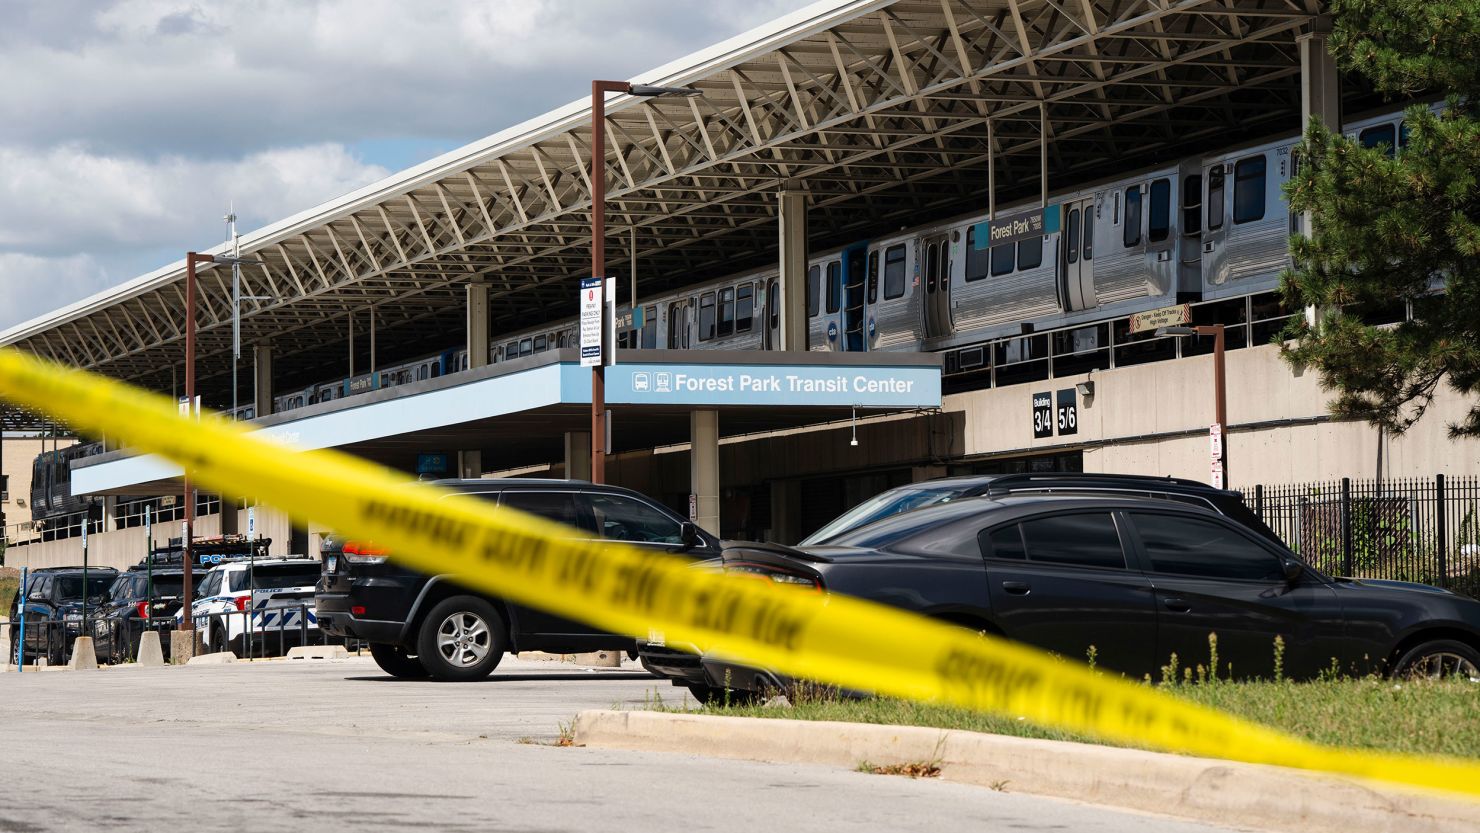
(1132, 582)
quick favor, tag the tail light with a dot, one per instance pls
(143, 608)
(776, 575)
(243, 602)
(363, 552)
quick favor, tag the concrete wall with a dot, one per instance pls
(19, 454)
(123, 548)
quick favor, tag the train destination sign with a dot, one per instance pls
(1035, 223)
(1165, 317)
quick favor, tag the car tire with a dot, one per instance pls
(462, 638)
(1439, 659)
(394, 661)
(218, 641)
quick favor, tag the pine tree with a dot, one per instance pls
(1395, 229)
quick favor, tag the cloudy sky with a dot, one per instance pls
(126, 126)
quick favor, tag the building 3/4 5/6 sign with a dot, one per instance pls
(1042, 415)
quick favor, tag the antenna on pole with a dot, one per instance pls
(234, 240)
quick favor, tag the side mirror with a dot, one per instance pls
(1293, 570)
(688, 534)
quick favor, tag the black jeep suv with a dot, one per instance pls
(419, 625)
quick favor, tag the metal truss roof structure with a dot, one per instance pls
(879, 110)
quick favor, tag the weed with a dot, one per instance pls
(567, 734)
(1091, 655)
(913, 769)
(1279, 659)
(999, 786)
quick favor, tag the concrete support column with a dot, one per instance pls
(229, 525)
(704, 468)
(577, 455)
(1320, 97)
(470, 464)
(477, 324)
(110, 513)
(262, 378)
(792, 331)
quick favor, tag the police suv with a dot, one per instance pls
(258, 606)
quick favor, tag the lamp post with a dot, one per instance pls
(1220, 384)
(191, 259)
(599, 89)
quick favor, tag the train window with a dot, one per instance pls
(541, 343)
(977, 260)
(1002, 259)
(1071, 236)
(649, 328)
(814, 280)
(1030, 253)
(873, 276)
(526, 348)
(1402, 134)
(894, 272)
(511, 350)
(834, 286)
(1215, 197)
(1192, 205)
(1379, 135)
(421, 373)
(1248, 189)
(1159, 221)
(706, 316)
(1088, 249)
(726, 311)
(1131, 234)
(744, 307)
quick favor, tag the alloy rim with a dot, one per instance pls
(463, 639)
(1444, 665)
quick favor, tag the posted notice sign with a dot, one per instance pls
(591, 301)
(1165, 317)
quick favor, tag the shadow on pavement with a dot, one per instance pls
(520, 678)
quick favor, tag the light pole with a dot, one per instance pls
(191, 259)
(599, 89)
(1220, 384)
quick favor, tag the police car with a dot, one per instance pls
(258, 606)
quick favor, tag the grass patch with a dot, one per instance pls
(10, 580)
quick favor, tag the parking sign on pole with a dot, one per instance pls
(591, 301)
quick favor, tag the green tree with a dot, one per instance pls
(1388, 229)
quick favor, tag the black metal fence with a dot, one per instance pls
(1409, 529)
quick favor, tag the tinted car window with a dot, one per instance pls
(1086, 540)
(1198, 547)
(170, 585)
(268, 576)
(560, 507)
(883, 505)
(1003, 542)
(624, 519)
(897, 528)
(69, 588)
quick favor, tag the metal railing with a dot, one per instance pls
(1406, 529)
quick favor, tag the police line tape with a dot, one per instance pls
(833, 639)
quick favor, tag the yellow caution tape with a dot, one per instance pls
(833, 639)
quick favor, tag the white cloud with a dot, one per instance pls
(31, 285)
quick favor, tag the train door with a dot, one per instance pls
(1214, 212)
(1190, 222)
(773, 313)
(678, 325)
(937, 269)
(1076, 260)
(855, 302)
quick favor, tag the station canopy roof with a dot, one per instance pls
(878, 110)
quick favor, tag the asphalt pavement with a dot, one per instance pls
(338, 745)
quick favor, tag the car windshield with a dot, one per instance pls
(173, 585)
(896, 528)
(883, 505)
(69, 588)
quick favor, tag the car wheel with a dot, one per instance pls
(218, 641)
(462, 638)
(1441, 659)
(394, 661)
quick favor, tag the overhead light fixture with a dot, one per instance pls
(854, 441)
(1175, 331)
(1086, 389)
(651, 90)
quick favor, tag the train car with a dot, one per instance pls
(51, 482)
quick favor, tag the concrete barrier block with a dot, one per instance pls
(318, 652)
(185, 645)
(84, 656)
(600, 659)
(151, 653)
(220, 658)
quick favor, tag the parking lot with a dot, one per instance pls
(337, 743)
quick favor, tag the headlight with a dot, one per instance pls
(72, 617)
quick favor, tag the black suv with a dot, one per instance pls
(1133, 580)
(54, 609)
(419, 625)
(680, 663)
(139, 600)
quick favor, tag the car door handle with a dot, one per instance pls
(1017, 588)
(1176, 605)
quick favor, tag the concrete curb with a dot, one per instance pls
(219, 658)
(1223, 792)
(318, 652)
